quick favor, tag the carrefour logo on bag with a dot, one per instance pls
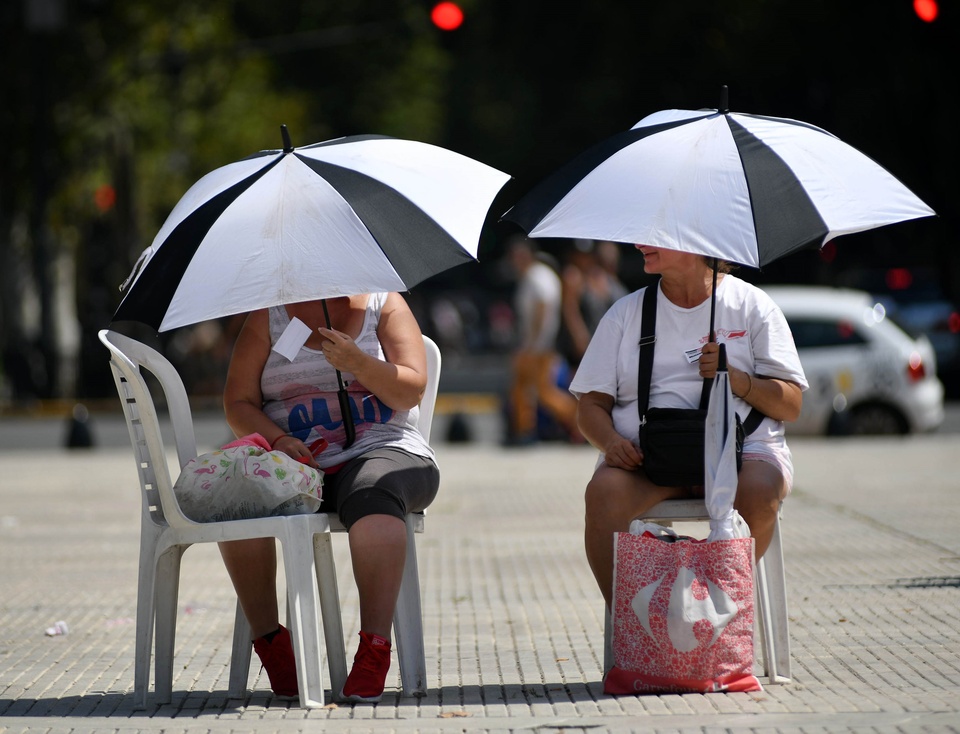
(685, 610)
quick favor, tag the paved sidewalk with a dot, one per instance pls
(512, 619)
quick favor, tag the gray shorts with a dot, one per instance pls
(384, 481)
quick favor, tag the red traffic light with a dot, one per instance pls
(105, 197)
(898, 279)
(926, 10)
(446, 16)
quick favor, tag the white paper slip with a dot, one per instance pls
(292, 338)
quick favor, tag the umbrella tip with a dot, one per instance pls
(724, 99)
(287, 145)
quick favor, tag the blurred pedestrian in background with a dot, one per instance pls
(591, 285)
(536, 361)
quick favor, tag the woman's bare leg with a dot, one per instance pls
(252, 566)
(378, 550)
(760, 491)
(613, 498)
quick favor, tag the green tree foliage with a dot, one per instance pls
(121, 96)
(375, 66)
(173, 89)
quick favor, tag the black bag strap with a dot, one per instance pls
(648, 338)
(753, 421)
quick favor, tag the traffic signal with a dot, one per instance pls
(447, 16)
(926, 10)
(105, 197)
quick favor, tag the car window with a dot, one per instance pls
(810, 332)
(904, 326)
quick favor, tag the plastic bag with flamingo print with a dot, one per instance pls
(246, 479)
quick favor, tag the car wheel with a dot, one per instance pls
(876, 419)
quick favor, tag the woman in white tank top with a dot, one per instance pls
(372, 482)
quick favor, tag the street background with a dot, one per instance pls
(112, 109)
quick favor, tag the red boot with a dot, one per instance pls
(276, 656)
(370, 667)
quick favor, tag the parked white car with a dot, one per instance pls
(866, 375)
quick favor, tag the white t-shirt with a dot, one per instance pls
(540, 284)
(748, 322)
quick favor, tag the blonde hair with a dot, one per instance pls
(723, 266)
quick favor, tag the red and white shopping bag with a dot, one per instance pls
(682, 616)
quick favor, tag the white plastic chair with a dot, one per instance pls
(166, 533)
(770, 591)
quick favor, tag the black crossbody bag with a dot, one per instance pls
(672, 439)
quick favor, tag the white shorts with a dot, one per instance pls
(777, 454)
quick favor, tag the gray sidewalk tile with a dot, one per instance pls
(513, 623)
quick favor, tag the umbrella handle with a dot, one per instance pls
(708, 384)
(713, 300)
(347, 415)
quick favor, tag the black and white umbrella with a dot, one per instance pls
(354, 215)
(743, 188)
(359, 214)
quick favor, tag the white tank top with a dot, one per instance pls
(301, 398)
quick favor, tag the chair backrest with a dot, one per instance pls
(429, 401)
(128, 359)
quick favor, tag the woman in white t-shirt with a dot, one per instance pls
(765, 374)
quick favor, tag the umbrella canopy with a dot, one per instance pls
(353, 215)
(743, 188)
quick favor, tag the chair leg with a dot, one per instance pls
(326, 573)
(772, 598)
(146, 616)
(303, 611)
(408, 623)
(241, 655)
(166, 603)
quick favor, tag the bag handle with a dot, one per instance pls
(648, 338)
